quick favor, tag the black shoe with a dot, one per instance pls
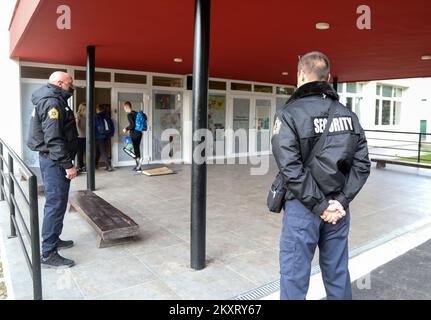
(64, 244)
(54, 260)
(109, 169)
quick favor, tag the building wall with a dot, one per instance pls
(403, 138)
(10, 115)
(31, 82)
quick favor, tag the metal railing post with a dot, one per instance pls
(11, 196)
(419, 147)
(35, 242)
(1, 175)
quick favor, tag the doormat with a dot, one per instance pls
(156, 170)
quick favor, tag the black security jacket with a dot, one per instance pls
(339, 169)
(52, 126)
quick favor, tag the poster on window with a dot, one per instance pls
(165, 101)
(216, 102)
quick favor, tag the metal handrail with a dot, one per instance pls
(419, 142)
(404, 132)
(8, 180)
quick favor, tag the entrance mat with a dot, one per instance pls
(156, 170)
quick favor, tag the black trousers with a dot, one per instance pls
(136, 139)
(81, 152)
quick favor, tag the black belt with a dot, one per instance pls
(44, 154)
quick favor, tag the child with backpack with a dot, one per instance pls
(104, 129)
(137, 124)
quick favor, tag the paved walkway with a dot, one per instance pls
(407, 277)
(242, 238)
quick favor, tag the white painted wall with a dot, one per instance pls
(10, 113)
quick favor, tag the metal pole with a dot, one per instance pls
(419, 147)
(91, 181)
(335, 83)
(1, 175)
(200, 121)
(11, 195)
(35, 241)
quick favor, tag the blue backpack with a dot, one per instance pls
(141, 121)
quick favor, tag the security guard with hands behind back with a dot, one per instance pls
(322, 156)
(54, 135)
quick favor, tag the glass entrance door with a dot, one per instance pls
(239, 119)
(262, 119)
(217, 122)
(167, 125)
(138, 99)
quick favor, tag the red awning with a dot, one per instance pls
(250, 39)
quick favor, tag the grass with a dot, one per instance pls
(425, 158)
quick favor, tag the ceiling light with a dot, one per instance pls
(322, 26)
(426, 57)
(284, 73)
(178, 60)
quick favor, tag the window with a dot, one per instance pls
(377, 116)
(351, 96)
(37, 72)
(387, 91)
(360, 88)
(358, 106)
(98, 76)
(349, 103)
(398, 92)
(217, 85)
(386, 112)
(351, 87)
(240, 86)
(262, 88)
(396, 117)
(378, 90)
(388, 105)
(167, 82)
(130, 78)
(280, 103)
(285, 90)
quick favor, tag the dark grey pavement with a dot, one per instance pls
(407, 277)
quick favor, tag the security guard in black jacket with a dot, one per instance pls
(54, 135)
(316, 209)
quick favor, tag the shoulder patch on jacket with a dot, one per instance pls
(277, 126)
(53, 113)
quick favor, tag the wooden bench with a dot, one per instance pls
(381, 163)
(112, 226)
(38, 174)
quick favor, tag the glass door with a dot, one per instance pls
(167, 125)
(262, 125)
(138, 98)
(239, 115)
(217, 122)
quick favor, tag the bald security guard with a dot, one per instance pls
(318, 194)
(54, 135)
